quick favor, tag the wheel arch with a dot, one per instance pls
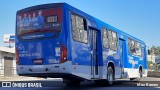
(140, 68)
(111, 63)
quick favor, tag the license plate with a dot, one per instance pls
(37, 61)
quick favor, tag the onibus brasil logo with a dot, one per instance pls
(21, 84)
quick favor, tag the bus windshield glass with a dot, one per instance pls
(39, 21)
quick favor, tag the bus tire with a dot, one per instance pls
(110, 76)
(140, 76)
(70, 82)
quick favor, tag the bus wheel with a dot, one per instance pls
(70, 82)
(140, 76)
(110, 75)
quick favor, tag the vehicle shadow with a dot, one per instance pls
(91, 85)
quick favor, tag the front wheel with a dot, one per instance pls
(110, 75)
(140, 76)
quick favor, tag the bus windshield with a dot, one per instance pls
(39, 22)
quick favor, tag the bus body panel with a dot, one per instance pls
(79, 61)
(41, 46)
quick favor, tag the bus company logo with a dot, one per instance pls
(6, 84)
(133, 62)
(21, 47)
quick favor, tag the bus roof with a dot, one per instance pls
(69, 7)
(102, 23)
(42, 6)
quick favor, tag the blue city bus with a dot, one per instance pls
(59, 41)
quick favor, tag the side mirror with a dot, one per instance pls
(149, 52)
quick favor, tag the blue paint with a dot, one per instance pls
(77, 52)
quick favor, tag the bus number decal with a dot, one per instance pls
(53, 61)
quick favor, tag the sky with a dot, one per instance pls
(139, 18)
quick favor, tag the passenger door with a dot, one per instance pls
(94, 53)
(122, 55)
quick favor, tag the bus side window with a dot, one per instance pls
(143, 53)
(84, 36)
(131, 44)
(138, 49)
(135, 47)
(75, 31)
(79, 29)
(105, 37)
(112, 40)
(114, 36)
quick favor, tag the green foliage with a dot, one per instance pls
(149, 63)
(155, 50)
(158, 66)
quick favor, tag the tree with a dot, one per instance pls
(158, 66)
(149, 64)
(155, 50)
(158, 51)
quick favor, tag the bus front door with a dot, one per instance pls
(122, 54)
(94, 53)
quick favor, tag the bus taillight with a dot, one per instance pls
(17, 57)
(63, 54)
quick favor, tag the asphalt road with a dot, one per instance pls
(88, 85)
